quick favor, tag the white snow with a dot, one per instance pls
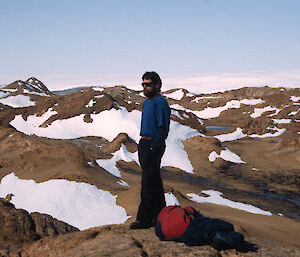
(276, 134)
(121, 154)
(90, 104)
(9, 89)
(123, 183)
(295, 98)
(171, 199)
(259, 111)
(78, 204)
(237, 134)
(210, 112)
(100, 89)
(91, 164)
(175, 154)
(227, 155)
(178, 107)
(99, 96)
(177, 95)
(282, 121)
(197, 99)
(32, 123)
(17, 101)
(176, 113)
(109, 124)
(26, 91)
(189, 95)
(294, 113)
(3, 94)
(215, 197)
(34, 87)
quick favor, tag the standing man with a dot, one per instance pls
(154, 131)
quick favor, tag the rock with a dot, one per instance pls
(18, 227)
(115, 145)
(45, 225)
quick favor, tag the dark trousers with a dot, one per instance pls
(152, 193)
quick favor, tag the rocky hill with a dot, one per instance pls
(239, 148)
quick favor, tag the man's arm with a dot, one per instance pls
(160, 138)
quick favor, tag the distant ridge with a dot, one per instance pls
(67, 91)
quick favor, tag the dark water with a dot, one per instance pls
(218, 127)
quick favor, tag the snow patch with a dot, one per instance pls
(78, 204)
(3, 94)
(26, 91)
(122, 154)
(17, 101)
(226, 155)
(123, 183)
(215, 197)
(282, 121)
(210, 112)
(100, 89)
(177, 95)
(90, 103)
(276, 134)
(259, 111)
(237, 134)
(197, 99)
(295, 98)
(176, 113)
(171, 199)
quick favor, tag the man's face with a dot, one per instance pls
(149, 89)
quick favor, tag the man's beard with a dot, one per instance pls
(149, 94)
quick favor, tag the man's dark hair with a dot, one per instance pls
(154, 77)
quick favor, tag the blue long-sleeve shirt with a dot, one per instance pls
(155, 120)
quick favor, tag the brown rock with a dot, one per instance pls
(115, 145)
(18, 227)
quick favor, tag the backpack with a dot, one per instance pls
(172, 221)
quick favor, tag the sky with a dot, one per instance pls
(208, 44)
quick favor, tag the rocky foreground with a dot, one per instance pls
(38, 235)
(262, 128)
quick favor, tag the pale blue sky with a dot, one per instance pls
(82, 37)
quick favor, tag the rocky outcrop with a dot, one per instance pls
(119, 240)
(18, 227)
(115, 145)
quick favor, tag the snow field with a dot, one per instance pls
(215, 197)
(109, 124)
(17, 101)
(78, 204)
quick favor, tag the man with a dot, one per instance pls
(154, 131)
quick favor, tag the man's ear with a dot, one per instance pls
(157, 86)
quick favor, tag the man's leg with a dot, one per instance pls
(159, 201)
(147, 161)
